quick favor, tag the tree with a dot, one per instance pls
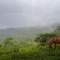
(43, 37)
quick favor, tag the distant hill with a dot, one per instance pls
(23, 33)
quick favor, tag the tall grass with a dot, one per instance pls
(29, 51)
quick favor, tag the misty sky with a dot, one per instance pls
(28, 13)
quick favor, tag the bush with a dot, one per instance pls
(43, 37)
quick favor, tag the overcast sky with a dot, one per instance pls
(28, 13)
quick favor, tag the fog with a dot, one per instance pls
(29, 13)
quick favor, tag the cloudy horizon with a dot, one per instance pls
(29, 13)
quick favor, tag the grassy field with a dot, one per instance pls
(29, 51)
(11, 49)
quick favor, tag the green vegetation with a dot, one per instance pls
(43, 38)
(12, 50)
(37, 49)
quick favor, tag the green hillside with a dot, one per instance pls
(10, 49)
(22, 33)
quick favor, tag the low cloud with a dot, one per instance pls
(28, 13)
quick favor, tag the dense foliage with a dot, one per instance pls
(43, 37)
(29, 50)
(12, 50)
